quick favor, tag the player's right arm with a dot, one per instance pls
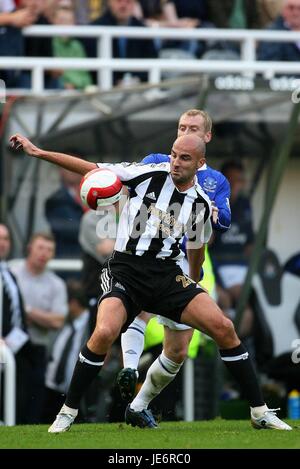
(132, 174)
(72, 163)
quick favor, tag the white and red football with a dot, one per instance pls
(100, 187)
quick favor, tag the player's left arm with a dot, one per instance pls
(195, 258)
(195, 247)
(221, 201)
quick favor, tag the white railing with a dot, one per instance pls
(66, 265)
(105, 64)
(188, 390)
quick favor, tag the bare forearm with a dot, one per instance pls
(196, 258)
(5, 19)
(72, 163)
(45, 319)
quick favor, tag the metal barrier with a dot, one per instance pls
(70, 265)
(105, 64)
(188, 390)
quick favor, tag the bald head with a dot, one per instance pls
(187, 156)
(192, 143)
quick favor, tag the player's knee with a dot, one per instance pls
(104, 335)
(176, 352)
(224, 332)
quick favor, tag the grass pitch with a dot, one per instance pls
(216, 434)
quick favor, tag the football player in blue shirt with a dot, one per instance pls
(177, 336)
(214, 183)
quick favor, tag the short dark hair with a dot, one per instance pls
(231, 164)
(75, 292)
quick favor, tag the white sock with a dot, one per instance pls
(69, 410)
(161, 372)
(132, 342)
(259, 411)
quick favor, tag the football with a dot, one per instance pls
(100, 188)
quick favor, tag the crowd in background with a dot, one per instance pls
(14, 15)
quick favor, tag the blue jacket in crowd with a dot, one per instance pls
(283, 51)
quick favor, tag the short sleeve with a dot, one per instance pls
(133, 173)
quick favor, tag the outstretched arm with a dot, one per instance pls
(72, 163)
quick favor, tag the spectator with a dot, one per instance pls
(192, 14)
(13, 329)
(85, 10)
(121, 13)
(234, 14)
(70, 48)
(45, 300)
(293, 265)
(152, 13)
(148, 9)
(195, 10)
(96, 248)
(231, 250)
(65, 350)
(88, 10)
(37, 46)
(268, 10)
(64, 210)
(97, 238)
(11, 39)
(288, 20)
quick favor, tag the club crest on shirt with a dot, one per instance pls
(209, 184)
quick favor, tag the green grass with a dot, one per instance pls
(205, 434)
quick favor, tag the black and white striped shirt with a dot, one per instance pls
(157, 215)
